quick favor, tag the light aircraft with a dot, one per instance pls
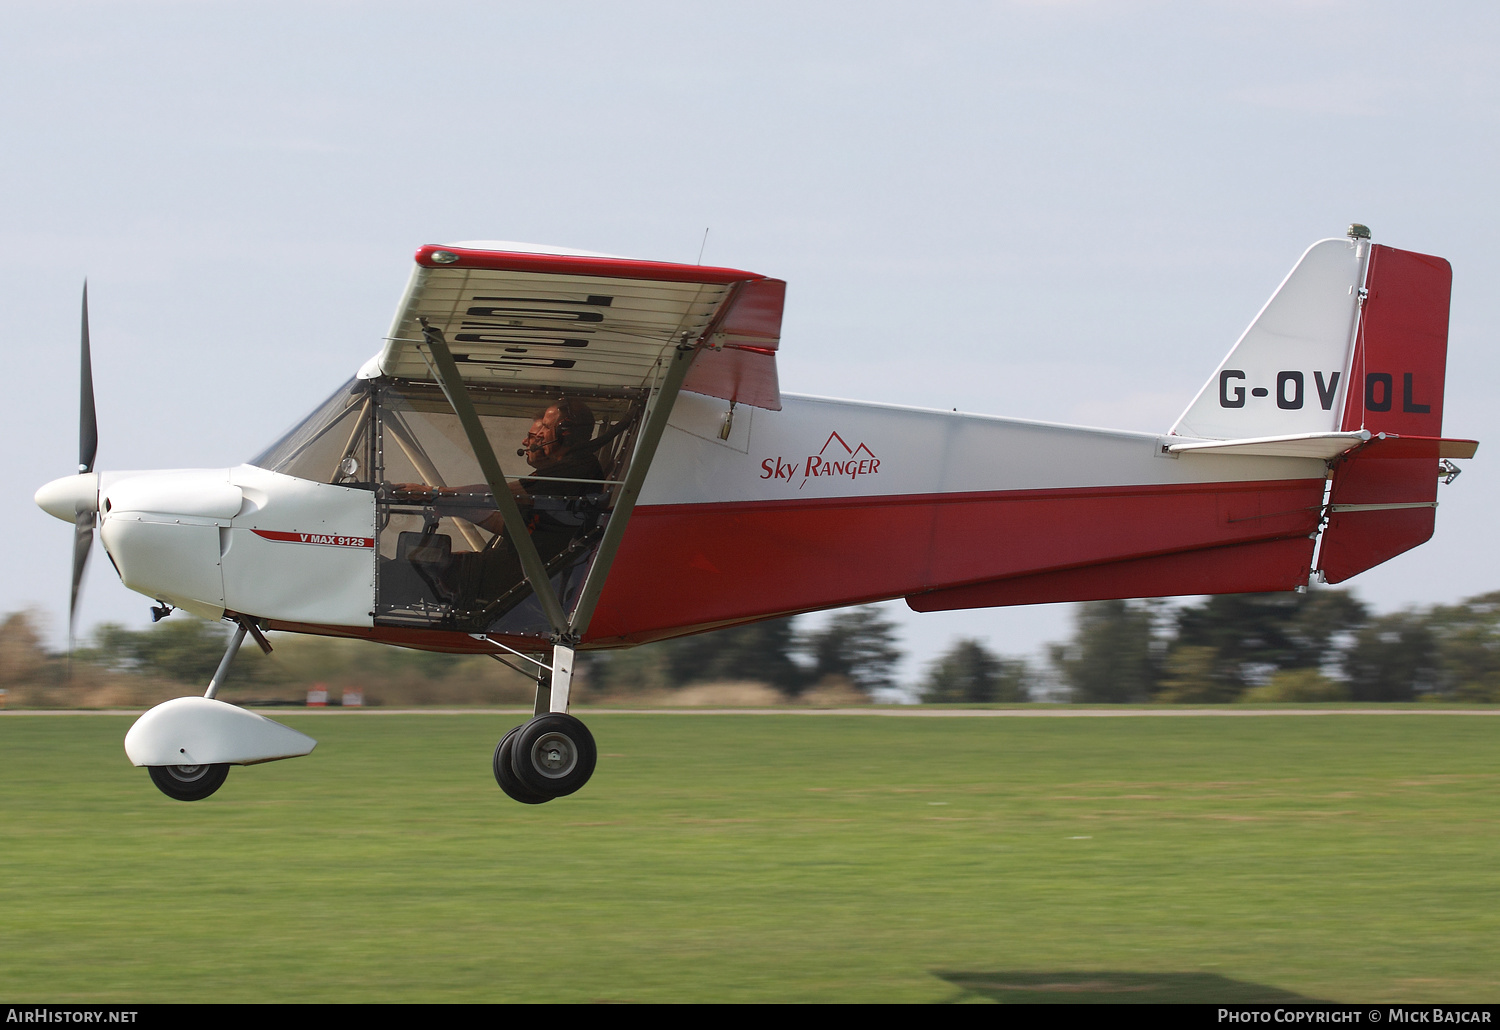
(557, 450)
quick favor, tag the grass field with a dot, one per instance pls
(776, 857)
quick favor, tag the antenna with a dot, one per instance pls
(701, 246)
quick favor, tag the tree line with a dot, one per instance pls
(1322, 645)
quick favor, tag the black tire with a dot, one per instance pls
(188, 782)
(505, 774)
(554, 754)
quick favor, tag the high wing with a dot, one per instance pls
(566, 320)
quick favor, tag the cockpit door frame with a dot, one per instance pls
(565, 630)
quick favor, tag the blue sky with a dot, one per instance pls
(1065, 210)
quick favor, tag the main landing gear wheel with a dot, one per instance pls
(506, 776)
(553, 754)
(188, 782)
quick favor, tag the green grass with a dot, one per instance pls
(767, 858)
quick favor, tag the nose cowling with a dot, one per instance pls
(165, 533)
(65, 498)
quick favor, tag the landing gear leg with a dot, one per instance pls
(553, 754)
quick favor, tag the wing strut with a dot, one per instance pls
(452, 383)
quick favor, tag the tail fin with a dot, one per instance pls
(1383, 505)
(1355, 339)
(1288, 373)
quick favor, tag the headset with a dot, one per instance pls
(575, 423)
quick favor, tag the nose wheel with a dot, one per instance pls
(549, 757)
(188, 782)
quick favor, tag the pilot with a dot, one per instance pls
(554, 447)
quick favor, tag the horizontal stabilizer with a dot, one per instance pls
(1299, 445)
(1388, 445)
(1331, 445)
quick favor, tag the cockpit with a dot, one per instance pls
(444, 558)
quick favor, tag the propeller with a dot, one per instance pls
(88, 446)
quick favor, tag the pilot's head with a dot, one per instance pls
(533, 446)
(563, 427)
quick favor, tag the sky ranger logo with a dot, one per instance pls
(840, 460)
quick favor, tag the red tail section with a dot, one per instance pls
(1384, 505)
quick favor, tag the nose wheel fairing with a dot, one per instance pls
(204, 731)
(189, 743)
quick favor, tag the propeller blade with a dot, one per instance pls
(88, 447)
(83, 543)
(88, 422)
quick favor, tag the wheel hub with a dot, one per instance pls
(555, 755)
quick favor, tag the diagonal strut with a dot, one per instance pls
(531, 561)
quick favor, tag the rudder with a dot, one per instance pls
(1382, 506)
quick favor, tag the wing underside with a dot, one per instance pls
(571, 322)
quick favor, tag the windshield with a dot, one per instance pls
(331, 445)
